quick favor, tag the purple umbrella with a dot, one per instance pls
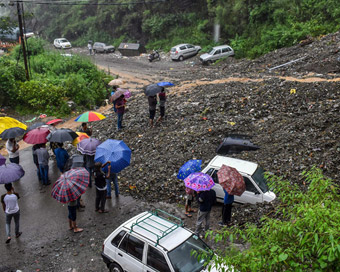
(88, 146)
(199, 182)
(2, 160)
(10, 172)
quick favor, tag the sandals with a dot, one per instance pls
(77, 230)
(193, 211)
(104, 211)
(188, 214)
(18, 235)
(8, 240)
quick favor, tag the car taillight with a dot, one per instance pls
(103, 248)
(176, 52)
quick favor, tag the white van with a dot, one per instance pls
(256, 186)
(216, 53)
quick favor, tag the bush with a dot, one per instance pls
(303, 236)
(35, 46)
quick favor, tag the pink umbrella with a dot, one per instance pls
(127, 93)
(37, 136)
(231, 180)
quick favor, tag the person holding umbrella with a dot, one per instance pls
(162, 99)
(10, 206)
(101, 187)
(86, 129)
(152, 100)
(13, 150)
(61, 157)
(43, 158)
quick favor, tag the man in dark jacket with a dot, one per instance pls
(206, 199)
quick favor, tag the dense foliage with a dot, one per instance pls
(305, 238)
(252, 27)
(55, 80)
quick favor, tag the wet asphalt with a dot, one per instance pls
(44, 226)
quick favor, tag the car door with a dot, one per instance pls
(191, 50)
(226, 51)
(111, 248)
(156, 261)
(130, 253)
(217, 54)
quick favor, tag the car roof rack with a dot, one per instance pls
(163, 229)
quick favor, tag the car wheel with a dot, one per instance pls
(114, 267)
(105, 51)
(181, 58)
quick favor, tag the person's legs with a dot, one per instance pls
(102, 201)
(207, 221)
(8, 224)
(119, 120)
(17, 225)
(42, 174)
(200, 218)
(98, 195)
(108, 187)
(228, 208)
(38, 172)
(151, 117)
(162, 113)
(115, 182)
(46, 174)
(90, 170)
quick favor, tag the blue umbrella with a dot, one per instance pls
(10, 172)
(188, 168)
(165, 84)
(115, 151)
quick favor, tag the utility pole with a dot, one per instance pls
(22, 38)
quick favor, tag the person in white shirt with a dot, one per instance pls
(13, 150)
(10, 206)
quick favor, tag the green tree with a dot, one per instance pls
(303, 235)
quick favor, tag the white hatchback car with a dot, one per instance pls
(62, 43)
(256, 186)
(150, 242)
(216, 53)
(183, 51)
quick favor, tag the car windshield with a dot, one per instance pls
(258, 177)
(173, 49)
(63, 40)
(182, 259)
(211, 51)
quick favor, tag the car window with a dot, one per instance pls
(250, 187)
(211, 52)
(258, 177)
(225, 50)
(173, 49)
(156, 260)
(190, 46)
(132, 246)
(63, 40)
(217, 52)
(116, 240)
(183, 47)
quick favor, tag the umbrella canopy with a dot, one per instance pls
(37, 136)
(115, 151)
(90, 116)
(10, 172)
(62, 135)
(71, 185)
(81, 136)
(2, 160)
(231, 180)
(199, 182)
(188, 168)
(88, 146)
(36, 125)
(117, 94)
(12, 133)
(127, 93)
(165, 84)
(8, 122)
(153, 89)
(54, 122)
(116, 82)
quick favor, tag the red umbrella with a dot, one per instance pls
(54, 122)
(231, 180)
(37, 136)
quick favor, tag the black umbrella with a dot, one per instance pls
(12, 133)
(62, 135)
(153, 89)
(36, 125)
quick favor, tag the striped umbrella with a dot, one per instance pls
(88, 146)
(71, 185)
(90, 116)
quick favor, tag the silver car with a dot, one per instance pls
(99, 47)
(216, 53)
(183, 51)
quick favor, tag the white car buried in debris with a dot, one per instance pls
(150, 242)
(62, 43)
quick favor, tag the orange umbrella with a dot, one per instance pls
(81, 137)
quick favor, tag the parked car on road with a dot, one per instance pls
(154, 241)
(99, 47)
(256, 185)
(183, 51)
(216, 53)
(62, 43)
